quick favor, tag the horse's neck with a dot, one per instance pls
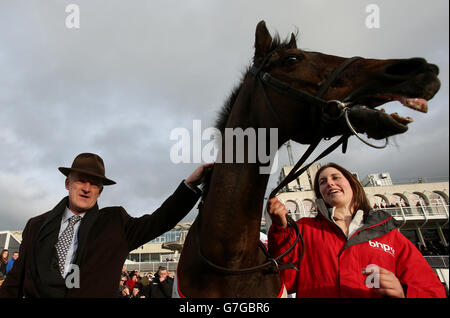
(233, 206)
(238, 187)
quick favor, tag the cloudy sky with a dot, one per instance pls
(135, 70)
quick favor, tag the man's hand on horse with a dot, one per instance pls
(277, 212)
(199, 174)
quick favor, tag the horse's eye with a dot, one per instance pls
(291, 60)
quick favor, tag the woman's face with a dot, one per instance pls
(5, 254)
(335, 188)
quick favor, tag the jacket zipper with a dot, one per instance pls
(347, 240)
(360, 230)
(365, 228)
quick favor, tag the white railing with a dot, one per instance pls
(426, 211)
(151, 267)
(440, 211)
(440, 261)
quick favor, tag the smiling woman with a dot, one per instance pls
(335, 189)
(339, 188)
(360, 249)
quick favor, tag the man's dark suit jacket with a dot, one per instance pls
(105, 238)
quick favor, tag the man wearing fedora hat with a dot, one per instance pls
(77, 249)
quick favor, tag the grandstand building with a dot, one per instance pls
(377, 179)
(10, 240)
(161, 251)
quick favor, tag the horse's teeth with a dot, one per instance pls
(418, 104)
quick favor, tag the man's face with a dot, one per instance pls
(15, 256)
(84, 190)
(163, 274)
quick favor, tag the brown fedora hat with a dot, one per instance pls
(88, 163)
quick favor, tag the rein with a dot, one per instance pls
(265, 78)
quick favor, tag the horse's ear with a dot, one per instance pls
(293, 42)
(262, 41)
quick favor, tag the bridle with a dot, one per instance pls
(320, 104)
(265, 79)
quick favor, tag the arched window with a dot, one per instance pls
(378, 201)
(443, 195)
(416, 203)
(424, 202)
(394, 203)
(292, 207)
(423, 198)
(309, 208)
(437, 202)
(400, 199)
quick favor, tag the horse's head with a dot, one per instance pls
(367, 82)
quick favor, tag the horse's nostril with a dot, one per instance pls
(406, 67)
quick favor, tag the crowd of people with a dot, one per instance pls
(6, 264)
(134, 285)
(383, 205)
(432, 247)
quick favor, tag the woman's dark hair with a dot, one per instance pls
(359, 200)
(1, 256)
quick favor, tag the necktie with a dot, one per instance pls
(64, 242)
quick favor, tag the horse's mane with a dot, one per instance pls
(225, 110)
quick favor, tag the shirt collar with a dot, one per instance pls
(357, 218)
(356, 223)
(68, 214)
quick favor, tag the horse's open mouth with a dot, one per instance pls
(419, 104)
(416, 103)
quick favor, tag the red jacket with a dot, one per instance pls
(332, 264)
(130, 283)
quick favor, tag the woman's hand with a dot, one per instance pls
(199, 174)
(277, 212)
(385, 282)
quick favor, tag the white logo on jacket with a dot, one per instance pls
(384, 247)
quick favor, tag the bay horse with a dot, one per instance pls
(226, 232)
